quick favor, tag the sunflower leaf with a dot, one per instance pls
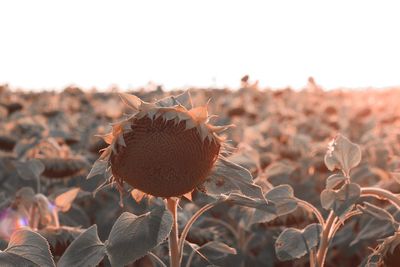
(334, 180)
(282, 196)
(341, 201)
(342, 154)
(281, 201)
(26, 248)
(377, 212)
(85, 250)
(227, 177)
(99, 167)
(294, 243)
(133, 236)
(29, 170)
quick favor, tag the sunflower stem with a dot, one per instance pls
(323, 248)
(172, 205)
(380, 193)
(189, 224)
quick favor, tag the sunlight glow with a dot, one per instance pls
(51, 44)
(11, 220)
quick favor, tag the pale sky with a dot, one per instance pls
(51, 44)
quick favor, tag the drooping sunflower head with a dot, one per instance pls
(164, 149)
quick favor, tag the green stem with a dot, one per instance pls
(172, 205)
(336, 227)
(325, 239)
(311, 208)
(38, 184)
(330, 228)
(247, 242)
(33, 215)
(380, 193)
(225, 224)
(56, 220)
(312, 258)
(194, 251)
(157, 259)
(189, 224)
(190, 259)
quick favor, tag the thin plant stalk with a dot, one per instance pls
(311, 208)
(197, 250)
(38, 185)
(313, 258)
(55, 217)
(381, 194)
(189, 261)
(172, 205)
(157, 259)
(33, 218)
(325, 239)
(331, 227)
(336, 227)
(225, 224)
(189, 224)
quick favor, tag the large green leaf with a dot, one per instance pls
(85, 250)
(26, 248)
(294, 243)
(228, 177)
(335, 180)
(279, 201)
(132, 237)
(341, 201)
(342, 154)
(283, 198)
(380, 223)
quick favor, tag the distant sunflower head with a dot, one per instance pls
(163, 149)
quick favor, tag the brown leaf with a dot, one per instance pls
(64, 200)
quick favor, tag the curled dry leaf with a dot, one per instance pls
(64, 201)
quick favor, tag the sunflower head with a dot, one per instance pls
(163, 149)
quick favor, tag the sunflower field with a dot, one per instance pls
(200, 177)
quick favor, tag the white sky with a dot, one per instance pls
(50, 44)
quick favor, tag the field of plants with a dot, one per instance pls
(203, 177)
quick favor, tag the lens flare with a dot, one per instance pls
(51, 206)
(11, 220)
